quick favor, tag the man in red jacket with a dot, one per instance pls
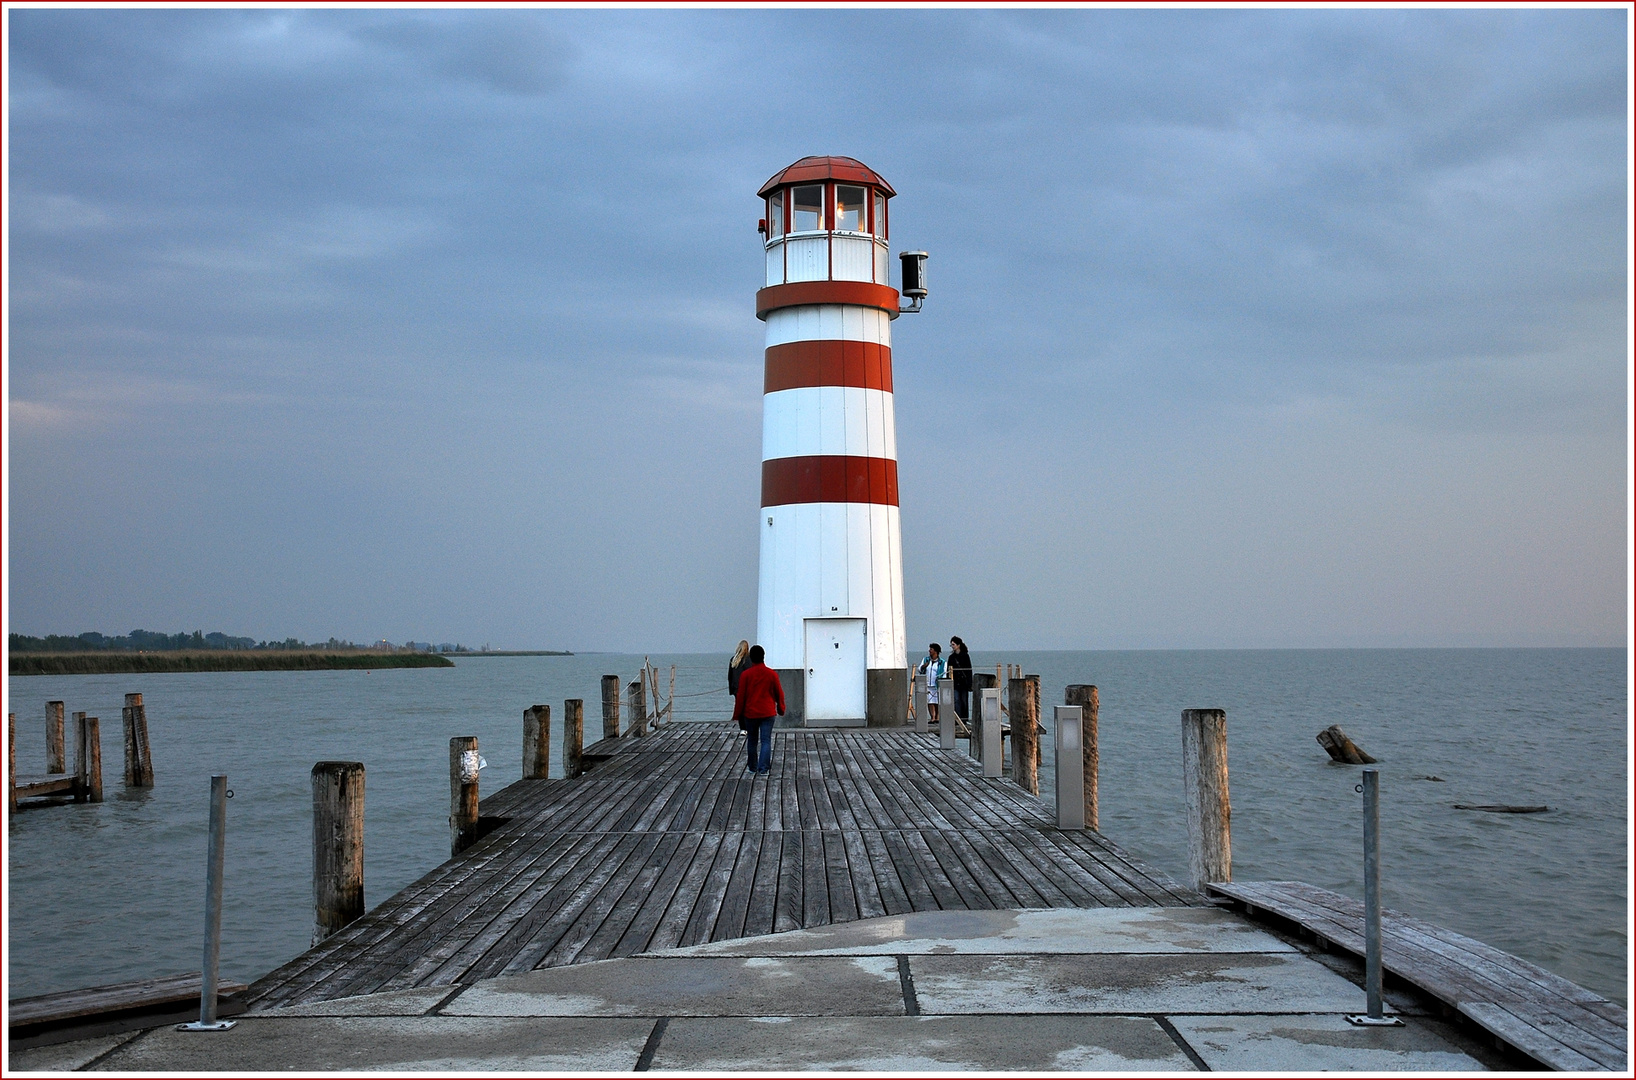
(760, 701)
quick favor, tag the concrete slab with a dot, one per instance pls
(695, 986)
(1049, 930)
(936, 1044)
(1312, 1043)
(65, 1057)
(1131, 983)
(416, 1002)
(431, 1043)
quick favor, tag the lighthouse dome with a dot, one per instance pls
(827, 167)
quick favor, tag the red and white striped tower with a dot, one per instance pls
(830, 612)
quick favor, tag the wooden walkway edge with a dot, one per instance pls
(1558, 1023)
(667, 840)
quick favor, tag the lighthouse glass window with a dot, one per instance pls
(849, 208)
(775, 215)
(880, 214)
(808, 204)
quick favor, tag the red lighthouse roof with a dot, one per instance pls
(826, 168)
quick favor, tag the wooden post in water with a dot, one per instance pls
(87, 758)
(138, 758)
(11, 762)
(337, 846)
(610, 706)
(1089, 701)
(573, 737)
(537, 742)
(1209, 810)
(463, 765)
(1025, 737)
(639, 709)
(55, 760)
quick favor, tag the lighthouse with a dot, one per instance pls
(830, 604)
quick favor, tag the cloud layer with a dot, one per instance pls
(1246, 328)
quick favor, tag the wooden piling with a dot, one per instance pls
(55, 760)
(610, 706)
(537, 742)
(87, 758)
(1209, 810)
(11, 762)
(1025, 740)
(138, 757)
(980, 681)
(463, 765)
(337, 845)
(1089, 701)
(639, 709)
(573, 737)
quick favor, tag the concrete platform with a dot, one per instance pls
(1109, 989)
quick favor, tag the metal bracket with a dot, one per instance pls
(214, 1025)
(1374, 1021)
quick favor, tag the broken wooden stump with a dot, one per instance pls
(1341, 748)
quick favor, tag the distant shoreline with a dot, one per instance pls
(110, 663)
(508, 652)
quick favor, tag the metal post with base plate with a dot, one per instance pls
(213, 912)
(1376, 1014)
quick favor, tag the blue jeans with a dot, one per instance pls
(760, 744)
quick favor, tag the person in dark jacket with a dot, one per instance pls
(760, 701)
(960, 671)
(740, 658)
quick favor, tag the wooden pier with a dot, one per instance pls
(667, 840)
(1555, 1022)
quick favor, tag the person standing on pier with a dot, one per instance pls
(931, 666)
(760, 701)
(741, 656)
(960, 672)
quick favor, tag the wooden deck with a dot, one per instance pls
(668, 841)
(1558, 1024)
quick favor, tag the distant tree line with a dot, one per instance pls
(215, 641)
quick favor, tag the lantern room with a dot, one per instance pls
(826, 220)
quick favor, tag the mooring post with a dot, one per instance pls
(1070, 765)
(87, 758)
(464, 763)
(1089, 701)
(1209, 809)
(639, 708)
(573, 737)
(55, 761)
(337, 846)
(537, 742)
(1025, 739)
(921, 719)
(138, 755)
(993, 735)
(980, 681)
(214, 861)
(610, 706)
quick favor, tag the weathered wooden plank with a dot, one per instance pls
(735, 904)
(596, 912)
(788, 906)
(713, 891)
(679, 913)
(758, 916)
(116, 997)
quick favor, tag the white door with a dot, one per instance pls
(837, 686)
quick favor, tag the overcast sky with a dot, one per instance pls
(1246, 328)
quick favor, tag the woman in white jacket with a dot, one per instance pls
(933, 668)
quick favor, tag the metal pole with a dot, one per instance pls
(993, 748)
(213, 912)
(1376, 1014)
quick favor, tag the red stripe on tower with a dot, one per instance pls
(829, 363)
(837, 478)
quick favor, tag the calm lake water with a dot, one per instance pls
(110, 892)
